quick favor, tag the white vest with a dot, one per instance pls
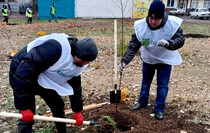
(152, 54)
(56, 76)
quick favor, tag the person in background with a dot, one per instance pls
(29, 15)
(50, 66)
(52, 12)
(5, 13)
(159, 36)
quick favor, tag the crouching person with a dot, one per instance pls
(50, 66)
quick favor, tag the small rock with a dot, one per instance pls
(7, 132)
(183, 132)
(135, 86)
(177, 95)
(181, 111)
(153, 93)
(152, 115)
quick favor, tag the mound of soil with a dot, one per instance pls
(128, 121)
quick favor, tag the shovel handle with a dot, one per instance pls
(43, 118)
(115, 51)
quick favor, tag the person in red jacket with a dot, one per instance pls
(50, 66)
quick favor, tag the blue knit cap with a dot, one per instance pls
(86, 49)
(156, 9)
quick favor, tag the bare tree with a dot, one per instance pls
(122, 4)
(9, 8)
(35, 7)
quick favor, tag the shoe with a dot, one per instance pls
(159, 115)
(138, 107)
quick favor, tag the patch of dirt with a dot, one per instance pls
(188, 100)
(195, 35)
(128, 121)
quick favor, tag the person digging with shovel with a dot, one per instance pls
(50, 66)
(159, 36)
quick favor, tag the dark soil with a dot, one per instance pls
(125, 120)
(128, 121)
(195, 35)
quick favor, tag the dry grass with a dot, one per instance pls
(189, 86)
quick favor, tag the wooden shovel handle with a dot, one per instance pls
(86, 107)
(115, 51)
(43, 118)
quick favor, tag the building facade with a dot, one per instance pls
(109, 8)
(14, 4)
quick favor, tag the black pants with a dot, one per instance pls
(29, 20)
(6, 19)
(56, 104)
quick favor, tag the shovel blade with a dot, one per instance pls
(95, 124)
(115, 96)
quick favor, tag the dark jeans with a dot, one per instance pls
(29, 20)
(53, 17)
(6, 19)
(56, 104)
(163, 77)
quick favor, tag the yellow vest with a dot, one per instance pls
(28, 13)
(5, 14)
(53, 10)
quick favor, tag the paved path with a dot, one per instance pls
(186, 19)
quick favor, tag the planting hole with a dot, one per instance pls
(113, 122)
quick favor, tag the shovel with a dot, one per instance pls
(44, 118)
(115, 95)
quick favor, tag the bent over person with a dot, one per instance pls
(159, 36)
(50, 66)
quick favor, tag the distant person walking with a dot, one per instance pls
(5, 13)
(29, 15)
(52, 12)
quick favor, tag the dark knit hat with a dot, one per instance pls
(156, 9)
(86, 49)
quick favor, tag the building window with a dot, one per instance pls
(206, 4)
(170, 3)
(7, 1)
(194, 4)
